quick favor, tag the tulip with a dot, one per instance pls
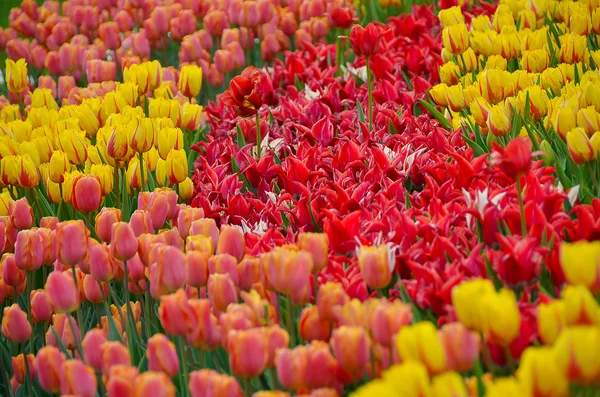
(190, 81)
(41, 308)
(451, 16)
(121, 380)
(206, 333)
(467, 297)
(62, 292)
(288, 272)
(67, 330)
(540, 374)
(579, 146)
(564, 120)
(318, 246)
(49, 361)
(168, 273)
(498, 120)
(449, 384)
(11, 274)
(154, 383)
(73, 144)
(28, 250)
(387, 319)
(72, 242)
(168, 139)
(147, 76)
(160, 107)
(16, 75)
(224, 264)
(501, 317)
(49, 222)
(78, 379)
(196, 264)
(244, 92)
(20, 369)
(461, 346)
(551, 320)
(15, 326)
(515, 159)
(176, 166)
(574, 354)
(22, 214)
(87, 193)
(207, 383)
(580, 306)
(123, 242)
(176, 315)
(28, 175)
(292, 367)
(352, 348)
(162, 355)
(420, 342)
(185, 218)
(114, 353)
(92, 345)
(456, 38)
(409, 378)
(580, 262)
(330, 295)
(365, 41)
(186, 189)
(221, 291)
(376, 264)
(105, 220)
(248, 352)
(312, 327)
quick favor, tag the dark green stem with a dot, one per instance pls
(370, 90)
(521, 207)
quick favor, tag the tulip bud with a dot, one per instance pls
(87, 193)
(318, 246)
(248, 352)
(186, 189)
(22, 214)
(449, 384)
(292, 367)
(92, 347)
(41, 308)
(114, 353)
(20, 369)
(168, 271)
(224, 264)
(141, 222)
(501, 316)
(105, 220)
(330, 295)
(580, 147)
(498, 120)
(420, 342)
(221, 291)
(580, 306)
(71, 242)
(196, 268)
(456, 38)
(461, 346)
(312, 327)
(387, 319)
(573, 352)
(186, 217)
(15, 326)
(204, 381)
(62, 292)
(78, 379)
(28, 250)
(123, 242)
(376, 264)
(539, 373)
(352, 348)
(551, 320)
(154, 383)
(162, 355)
(16, 75)
(49, 361)
(11, 274)
(176, 315)
(206, 227)
(141, 134)
(466, 298)
(251, 272)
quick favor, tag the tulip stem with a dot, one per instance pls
(76, 336)
(521, 207)
(247, 391)
(370, 91)
(27, 374)
(316, 282)
(180, 345)
(78, 310)
(118, 185)
(258, 135)
(142, 168)
(130, 322)
(290, 322)
(510, 361)
(338, 55)
(594, 179)
(6, 379)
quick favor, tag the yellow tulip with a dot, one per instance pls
(10, 113)
(420, 342)
(581, 307)
(409, 379)
(177, 166)
(449, 384)
(59, 165)
(502, 317)
(190, 80)
(147, 76)
(467, 299)
(451, 16)
(74, 144)
(579, 146)
(28, 175)
(505, 387)
(499, 121)
(186, 189)
(141, 134)
(456, 38)
(576, 354)
(551, 320)
(167, 140)
(580, 262)
(105, 174)
(169, 108)
(16, 75)
(43, 98)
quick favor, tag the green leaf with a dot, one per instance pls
(492, 274)
(241, 142)
(61, 345)
(361, 112)
(479, 151)
(438, 116)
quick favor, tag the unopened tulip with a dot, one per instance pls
(105, 220)
(28, 250)
(206, 333)
(540, 374)
(154, 383)
(231, 241)
(456, 38)
(352, 348)
(420, 342)
(141, 222)
(574, 354)
(207, 383)
(322, 366)
(449, 384)
(87, 193)
(78, 379)
(206, 227)
(461, 346)
(186, 217)
(501, 317)
(580, 147)
(123, 241)
(292, 365)
(162, 355)
(92, 348)
(318, 246)
(365, 41)
(20, 369)
(168, 272)
(466, 298)
(387, 319)
(72, 242)
(16, 75)
(22, 214)
(62, 292)
(376, 264)
(330, 295)
(196, 264)
(552, 318)
(176, 166)
(114, 353)
(224, 264)
(41, 308)
(15, 326)
(410, 378)
(11, 274)
(200, 243)
(287, 271)
(221, 291)
(121, 380)
(312, 327)
(49, 361)
(141, 134)
(248, 352)
(581, 307)
(176, 315)
(579, 261)
(67, 330)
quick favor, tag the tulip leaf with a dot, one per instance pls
(492, 274)
(241, 142)
(438, 116)
(43, 201)
(418, 314)
(61, 345)
(361, 112)
(479, 151)
(407, 80)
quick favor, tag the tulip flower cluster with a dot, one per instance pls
(271, 205)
